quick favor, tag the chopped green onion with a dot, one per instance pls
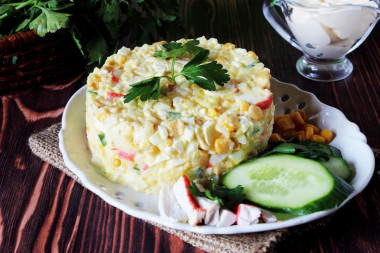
(253, 64)
(252, 133)
(92, 92)
(174, 115)
(102, 139)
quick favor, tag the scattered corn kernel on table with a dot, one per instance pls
(42, 209)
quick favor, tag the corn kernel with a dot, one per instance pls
(222, 145)
(122, 60)
(297, 118)
(327, 134)
(244, 106)
(227, 103)
(211, 112)
(93, 86)
(253, 55)
(231, 123)
(288, 134)
(309, 132)
(109, 67)
(303, 114)
(228, 46)
(315, 128)
(176, 128)
(276, 118)
(255, 112)
(285, 123)
(159, 43)
(318, 138)
(102, 116)
(276, 138)
(221, 59)
(116, 162)
(169, 141)
(300, 135)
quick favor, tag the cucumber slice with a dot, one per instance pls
(339, 166)
(288, 183)
(336, 152)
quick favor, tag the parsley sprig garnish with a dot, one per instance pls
(196, 71)
(227, 198)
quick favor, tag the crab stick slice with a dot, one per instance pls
(211, 208)
(168, 206)
(194, 213)
(247, 215)
(267, 216)
(226, 218)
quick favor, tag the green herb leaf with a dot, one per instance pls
(97, 47)
(169, 18)
(227, 198)
(172, 48)
(23, 24)
(4, 8)
(306, 149)
(146, 89)
(252, 133)
(39, 25)
(205, 75)
(253, 64)
(195, 191)
(92, 92)
(52, 4)
(174, 115)
(102, 139)
(112, 20)
(56, 20)
(49, 21)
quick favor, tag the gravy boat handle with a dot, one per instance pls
(279, 23)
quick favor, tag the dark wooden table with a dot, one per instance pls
(43, 209)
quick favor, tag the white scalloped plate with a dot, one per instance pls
(287, 98)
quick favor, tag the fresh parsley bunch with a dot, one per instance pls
(96, 26)
(196, 71)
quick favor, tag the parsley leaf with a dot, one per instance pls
(48, 21)
(39, 25)
(227, 198)
(131, 22)
(145, 89)
(96, 47)
(203, 75)
(173, 48)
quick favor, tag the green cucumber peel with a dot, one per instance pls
(289, 184)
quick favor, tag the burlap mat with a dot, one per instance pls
(45, 145)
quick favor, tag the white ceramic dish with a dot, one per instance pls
(287, 97)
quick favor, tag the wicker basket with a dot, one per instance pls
(28, 60)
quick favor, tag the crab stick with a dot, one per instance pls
(247, 215)
(194, 213)
(168, 206)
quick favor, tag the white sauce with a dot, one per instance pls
(331, 28)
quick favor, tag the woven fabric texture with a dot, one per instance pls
(45, 145)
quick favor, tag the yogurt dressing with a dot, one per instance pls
(328, 29)
(328, 3)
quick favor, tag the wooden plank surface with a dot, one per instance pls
(41, 209)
